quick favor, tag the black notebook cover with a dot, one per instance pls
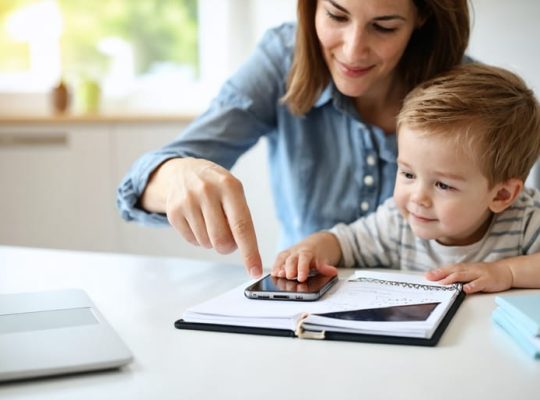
(352, 337)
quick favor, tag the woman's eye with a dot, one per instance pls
(335, 17)
(384, 29)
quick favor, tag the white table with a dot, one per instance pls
(142, 297)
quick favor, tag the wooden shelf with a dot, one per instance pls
(93, 118)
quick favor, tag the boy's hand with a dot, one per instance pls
(320, 252)
(477, 277)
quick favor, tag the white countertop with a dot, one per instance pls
(141, 297)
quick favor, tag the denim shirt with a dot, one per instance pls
(326, 167)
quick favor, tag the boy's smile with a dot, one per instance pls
(420, 219)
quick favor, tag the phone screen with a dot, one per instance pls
(274, 288)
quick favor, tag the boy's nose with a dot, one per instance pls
(421, 197)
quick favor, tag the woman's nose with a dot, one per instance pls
(355, 45)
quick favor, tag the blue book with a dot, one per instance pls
(524, 309)
(528, 342)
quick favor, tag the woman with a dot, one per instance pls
(324, 94)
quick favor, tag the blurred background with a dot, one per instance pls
(146, 55)
(133, 74)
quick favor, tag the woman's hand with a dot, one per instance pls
(205, 203)
(320, 252)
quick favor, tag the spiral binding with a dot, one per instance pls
(455, 286)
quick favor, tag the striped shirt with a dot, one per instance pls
(385, 239)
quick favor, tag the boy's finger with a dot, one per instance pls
(459, 276)
(304, 265)
(291, 267)
(277, 268)
(326, 269)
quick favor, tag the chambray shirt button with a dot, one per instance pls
(370, 160)
(368, 180)
(364, 206)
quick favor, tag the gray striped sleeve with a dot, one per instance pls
(372, 241)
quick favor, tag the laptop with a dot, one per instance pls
(55, 332)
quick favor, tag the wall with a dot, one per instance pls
(505, 33)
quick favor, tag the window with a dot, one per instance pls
(128, 46)
(148, 55)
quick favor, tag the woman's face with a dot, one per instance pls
(363, 41)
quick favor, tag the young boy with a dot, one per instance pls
(467, 141)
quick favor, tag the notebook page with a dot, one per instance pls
(235, 309)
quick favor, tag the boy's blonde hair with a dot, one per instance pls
(489, 111)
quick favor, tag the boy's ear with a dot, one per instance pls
(505, 194)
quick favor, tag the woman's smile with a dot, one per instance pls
(353, 71)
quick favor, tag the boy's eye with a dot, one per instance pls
(407, 175)
(443, 186)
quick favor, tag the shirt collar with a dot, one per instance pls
(340, 102)
(326, 96)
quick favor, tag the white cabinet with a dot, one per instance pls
(58, 185)
(55, 180)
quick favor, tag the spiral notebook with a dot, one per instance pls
(370, 306)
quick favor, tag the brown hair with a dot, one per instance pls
(437, 45)
(488, 111)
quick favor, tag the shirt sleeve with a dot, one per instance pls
(243, 111)
(531, 223)
(371, 241)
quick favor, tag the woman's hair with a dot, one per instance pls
(487, 112)
(437, 45)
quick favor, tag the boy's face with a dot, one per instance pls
(440, 191)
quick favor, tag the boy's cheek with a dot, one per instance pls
(401, 202)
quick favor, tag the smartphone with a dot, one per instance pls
(274, 288)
